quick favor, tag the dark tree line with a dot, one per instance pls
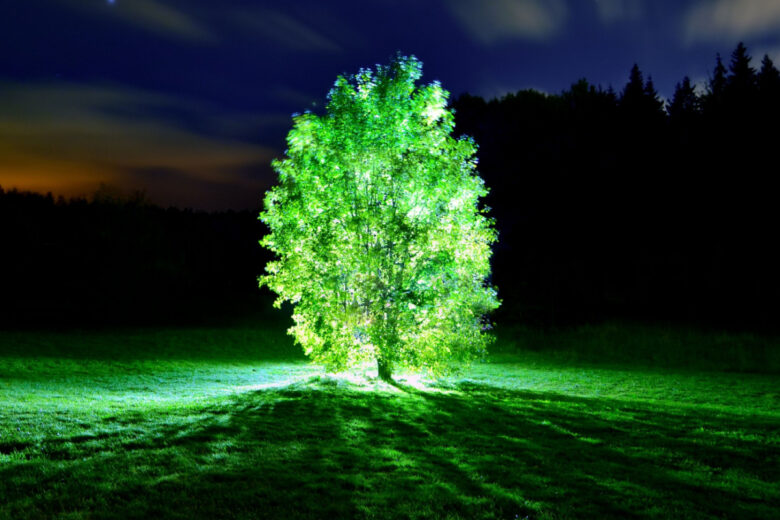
(615, 204)
(121, 260)
(609, 205)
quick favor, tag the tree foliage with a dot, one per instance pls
(716, 87)
(382, 246)
(685, 104)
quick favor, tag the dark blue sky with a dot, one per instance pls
(190, 99)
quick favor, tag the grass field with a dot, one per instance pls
(232, 422)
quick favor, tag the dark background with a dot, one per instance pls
(609, 205)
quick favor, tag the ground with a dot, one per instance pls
(232, 422)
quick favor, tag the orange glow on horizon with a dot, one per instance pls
(66, 179)
(69, 139)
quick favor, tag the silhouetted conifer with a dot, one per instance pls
(768, 101)
(639, 101)
(685, 103)
(742, 80)
(632, 98)
(716, 88)
(768, 80)
(654, 103)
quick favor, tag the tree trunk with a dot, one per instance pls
(384, 370)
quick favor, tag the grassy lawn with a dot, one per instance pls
(233, 423)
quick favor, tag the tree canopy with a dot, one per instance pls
(382, 246)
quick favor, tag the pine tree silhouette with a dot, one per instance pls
(685, 104)
(654, 103)
(741, 83)
(743, 76)
(768, 113)
(716, 88)
(632, 98)
(768, 82)
(639, 100)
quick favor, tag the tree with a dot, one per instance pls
(685, 104)
(588, 104)
(654, 104)
(741, 84)
(632, 99)
(768, 77)
(713, 99)
(639, 100)
(382, 246)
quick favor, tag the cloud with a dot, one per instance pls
(759, 52)
(285, 30)
(700, 84)
(69, 138)
(153, 16)
(489, 22)
(731, 20)
(610, 11)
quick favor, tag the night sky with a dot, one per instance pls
(191, 99)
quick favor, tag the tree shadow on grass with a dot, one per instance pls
(319, 450)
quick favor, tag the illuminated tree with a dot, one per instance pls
(382, 246)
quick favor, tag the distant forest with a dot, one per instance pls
(609, 205)
(118, 260)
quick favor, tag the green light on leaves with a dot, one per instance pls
(381, 244)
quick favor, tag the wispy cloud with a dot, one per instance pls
(285, 30)
(759, 52)
(488, 22)
(69, 138)
(151, 15)
(610, 11)
(731, 20)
